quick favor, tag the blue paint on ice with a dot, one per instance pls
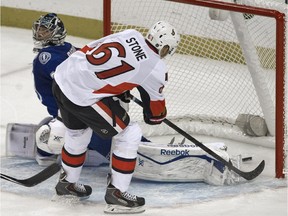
(157, 194)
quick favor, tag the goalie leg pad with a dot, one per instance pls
(50, 137)
(56, 137)
(176, 162)
(212, 175)
(42, 136)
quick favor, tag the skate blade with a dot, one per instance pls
(68, 199)
(117, 209)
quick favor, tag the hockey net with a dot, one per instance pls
(226, 65)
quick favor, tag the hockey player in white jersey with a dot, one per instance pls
(154, 161)
(85, 88)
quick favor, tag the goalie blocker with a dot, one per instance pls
(155, 162)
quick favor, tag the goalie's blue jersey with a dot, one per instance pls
(44, 65)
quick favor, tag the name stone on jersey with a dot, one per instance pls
(138, 51)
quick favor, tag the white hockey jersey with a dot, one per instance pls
(110, 66)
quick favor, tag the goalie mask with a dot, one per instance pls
(162, 34)
(48, 30)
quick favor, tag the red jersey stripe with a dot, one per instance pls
(86, 48)
(116, 90)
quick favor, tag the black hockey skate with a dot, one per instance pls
(122, 202)
(67, 189)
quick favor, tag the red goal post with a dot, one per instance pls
(123, 14)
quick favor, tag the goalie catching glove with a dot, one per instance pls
(154, 120)
(50, 137)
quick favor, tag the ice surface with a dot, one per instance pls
(263, 196)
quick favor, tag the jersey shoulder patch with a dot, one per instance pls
(44, 57)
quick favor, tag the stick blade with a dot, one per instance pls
(36, 179)
(43, 175)
(252, 174)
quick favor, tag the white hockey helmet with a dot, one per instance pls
(161, 34)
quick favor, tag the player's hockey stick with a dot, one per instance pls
(36, 179)
(246, 175)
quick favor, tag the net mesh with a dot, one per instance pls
(210, 83)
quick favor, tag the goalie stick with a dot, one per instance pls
(246, 175)
(36, 179)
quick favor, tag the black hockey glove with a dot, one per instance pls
(125, 97)
(154, 120)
